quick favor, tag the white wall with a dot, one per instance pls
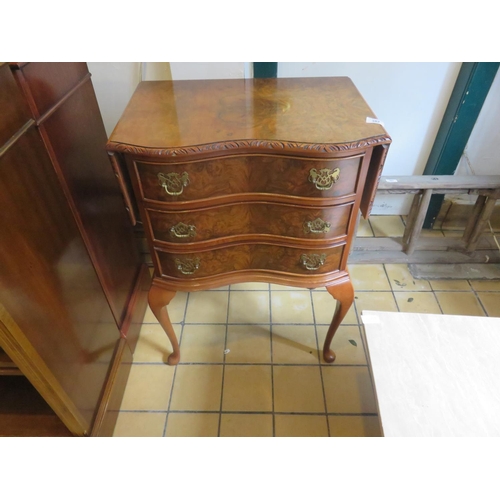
(410, 99)
(483, 147)
(209, 70)
(115, 82)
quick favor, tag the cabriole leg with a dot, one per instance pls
(158, 299)
(343, 293)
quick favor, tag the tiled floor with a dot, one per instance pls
(251, 355)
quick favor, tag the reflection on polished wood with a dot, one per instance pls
(250, 180)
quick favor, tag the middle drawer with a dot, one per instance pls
(228, 222)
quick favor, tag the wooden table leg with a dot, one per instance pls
(158, 299)
(343, 293)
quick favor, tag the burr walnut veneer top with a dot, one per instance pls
(287, 114)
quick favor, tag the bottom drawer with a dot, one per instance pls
(250, 257)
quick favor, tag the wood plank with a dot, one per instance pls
(471, 271)
(437, 182)
(484, 217)
(107, 413)
(423, 257)
(25, 413)
(418, 221)
(21, 351)
(486, 242)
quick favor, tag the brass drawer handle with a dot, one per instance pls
(317, 226)
(313, 261)
(173, 183)
(181, 230)
(324, 178)
(187, 266)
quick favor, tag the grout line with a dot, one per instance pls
(371, 228)
(197, 363)
(246, 412)
(224, 363)
(437, 300)
(272, 356)
(319, 360)
(392, 291)
(175, 369)
(480, 303)
(257, 324)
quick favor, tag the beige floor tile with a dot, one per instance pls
(354, 426)
(153, 345)
(248, 344)
(402, 280)
(176, 309)
(298, 389)
(324, 308)
(348, 389)
(291, 307)
(374, 301)
(295, 344)
(346, 352)
(459, 303)
(364, 229)
(192, 425)
(140, 424)
(387, 225)
(247, 388)
(207, 307)
(486, 285)
(203, 343)
(149, 317)
(450, 285)
(301, 426)
(369, 277)
(197, 388)
(491, 302)
(417, 302)
(246, 425)
(249, 307)
(250, 286)
(148, 387)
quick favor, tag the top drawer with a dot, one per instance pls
(290, 176)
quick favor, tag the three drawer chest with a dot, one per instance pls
(249, 180)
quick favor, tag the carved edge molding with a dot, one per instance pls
(255, 144)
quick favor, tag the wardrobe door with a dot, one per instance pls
(64, 105)
(49, 290)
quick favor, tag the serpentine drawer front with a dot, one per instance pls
(255, 221)
(184, 181)
(249, 180)
(250, 257)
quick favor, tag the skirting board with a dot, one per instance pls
(138, 303)
(114, 388)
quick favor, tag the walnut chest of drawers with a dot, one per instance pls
(249, 180)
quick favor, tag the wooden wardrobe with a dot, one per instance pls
(73, 286)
